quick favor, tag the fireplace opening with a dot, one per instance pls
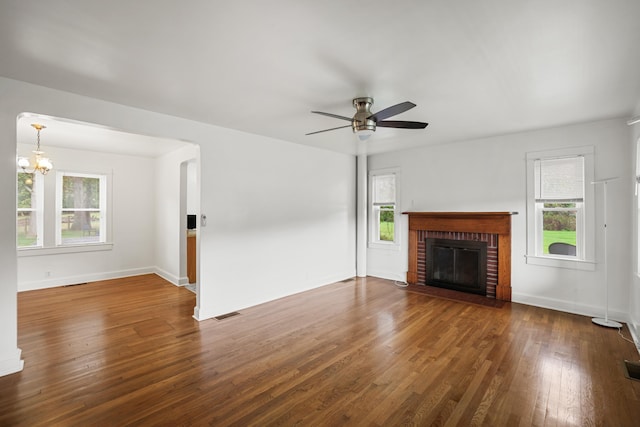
(460, 265)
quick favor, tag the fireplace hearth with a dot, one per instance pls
(460, 265)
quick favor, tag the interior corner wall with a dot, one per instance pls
(490, 175)
(634, 267)
(281, 217)
(10, 354)
(130, 222)
(193, 195)
(170, 201)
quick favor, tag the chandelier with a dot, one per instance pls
(40, 164)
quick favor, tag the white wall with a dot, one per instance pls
(131, 223)
(489, 175)
(281, 220)
(193, 193)
(170, 203)
(281, 216)
(634, 287)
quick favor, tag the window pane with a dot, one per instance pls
(26, 191)
(80, 192)
(78, 227)
(387, 225)
(384, 189)
(27, 229)
(558, 226)
(27, 218)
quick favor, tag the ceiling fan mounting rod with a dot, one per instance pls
(361, 120)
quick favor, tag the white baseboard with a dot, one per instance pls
(171, 278)
(83, 278)
(388, 275)
(568, 307)
(201, 315)
(204, 312)
(11, 363)
(333, 278)
(635, 335)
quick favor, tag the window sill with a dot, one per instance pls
(560, 262)
(27, 252)
(389, 246)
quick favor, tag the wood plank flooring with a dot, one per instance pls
(362, 352)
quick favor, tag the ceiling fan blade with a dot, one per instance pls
(335, 116)
(327, 130)
(392, 111)
(401, 124)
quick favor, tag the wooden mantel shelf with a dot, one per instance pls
(471, 222)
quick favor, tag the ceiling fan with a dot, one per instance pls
(364, 122)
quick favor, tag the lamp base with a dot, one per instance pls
(606, 322)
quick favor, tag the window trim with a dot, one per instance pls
(104, 208)
(587, 249)
(374, 212)
(68, 249)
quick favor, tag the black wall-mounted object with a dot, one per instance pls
(191, 222)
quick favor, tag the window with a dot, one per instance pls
(559, 188)
(29, 212)
(80, 209)
(559, 203)
(383, 207)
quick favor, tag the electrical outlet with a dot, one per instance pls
(47, 274)
(203, 220)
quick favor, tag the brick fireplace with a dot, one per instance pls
(494, 228)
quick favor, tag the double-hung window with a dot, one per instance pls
(81, 203)
(560, 206)
(29, 212)
(383, 207)
(559, 192)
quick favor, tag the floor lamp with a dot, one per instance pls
(598, 320)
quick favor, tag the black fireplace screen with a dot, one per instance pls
(457, 264)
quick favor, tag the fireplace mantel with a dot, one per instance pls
(471, 222)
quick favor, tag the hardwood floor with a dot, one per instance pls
(365, 352)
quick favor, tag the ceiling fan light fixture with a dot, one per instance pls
(361, 124)
(365, 134)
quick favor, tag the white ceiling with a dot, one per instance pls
(90, 137)
(474, 68)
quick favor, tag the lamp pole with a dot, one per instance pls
(598, 320)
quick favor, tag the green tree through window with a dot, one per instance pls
(387, 224)
(27, 215)
(82, 209)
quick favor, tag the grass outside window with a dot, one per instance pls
(553, 236)
(387, 230)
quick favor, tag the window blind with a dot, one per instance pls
(384, 190)
(559, 180)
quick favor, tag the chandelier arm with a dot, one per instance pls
(40, 164)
